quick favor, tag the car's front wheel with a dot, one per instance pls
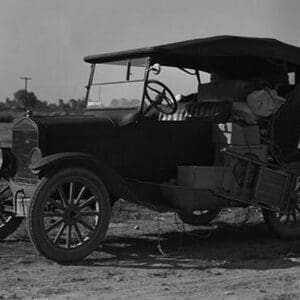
(8, 221)
(69, 215)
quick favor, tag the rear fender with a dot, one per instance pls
(114, 183)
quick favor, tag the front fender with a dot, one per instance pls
(114, 183)
(8, 164)
(54, 159)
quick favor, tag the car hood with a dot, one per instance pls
(49, 121)
(66, 133)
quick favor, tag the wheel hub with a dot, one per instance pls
(71, 214)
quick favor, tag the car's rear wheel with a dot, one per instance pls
(287, 225)
(69, 215)
(8, 221)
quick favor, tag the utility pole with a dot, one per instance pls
(25, 79)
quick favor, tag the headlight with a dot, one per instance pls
(35, 155)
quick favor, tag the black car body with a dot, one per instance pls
(133, 152)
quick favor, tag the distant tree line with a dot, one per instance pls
(23, 101)
(123, 102)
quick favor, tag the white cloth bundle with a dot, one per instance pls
(264, 103)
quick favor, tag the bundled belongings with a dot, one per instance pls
(242, 113)
(251, 99)
(264, 102)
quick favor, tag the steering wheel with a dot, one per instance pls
(160, 97)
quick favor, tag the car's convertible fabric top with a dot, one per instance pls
(214, 54)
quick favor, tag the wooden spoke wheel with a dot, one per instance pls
(8, 221)
(287, 225)
(69, 215)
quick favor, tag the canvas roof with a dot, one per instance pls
(214, 54)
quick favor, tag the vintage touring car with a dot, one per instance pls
(195, 154)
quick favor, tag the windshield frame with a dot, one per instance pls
(127, 80)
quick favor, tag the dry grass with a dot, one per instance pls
(5, 134)
(6, 116)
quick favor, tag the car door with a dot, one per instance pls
(153, 149)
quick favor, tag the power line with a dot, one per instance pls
(25, 79)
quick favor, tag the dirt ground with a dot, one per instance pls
(233, 261)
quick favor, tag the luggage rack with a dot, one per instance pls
(260, 183)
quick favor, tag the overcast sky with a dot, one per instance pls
(47, 39)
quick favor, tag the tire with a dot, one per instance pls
(287, 226)
(204, 218)
(9, 223)
(69, 215)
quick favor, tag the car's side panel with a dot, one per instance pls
(147, 150)
(152, 150)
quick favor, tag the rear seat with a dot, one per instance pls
(214, 101)
(217, 112)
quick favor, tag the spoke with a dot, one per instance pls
(83, 189)
(85, 209)
(55, 203)
(71, 192)
(279, 215)
(2, 218)
(170, 103)
(86, 225)
(62, 196)
(5, 188)
(288, 217)
(78, 233)
(297, 187)
(60, 232)
(88, 202)
(294, 215)
(154, 90)
(90, 213)
(69, 234)
(55, 224)
(52, 214)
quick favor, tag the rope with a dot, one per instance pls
(159, 245)
(182, 231)
(159, 241)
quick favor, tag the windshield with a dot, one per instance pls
(117, 84)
